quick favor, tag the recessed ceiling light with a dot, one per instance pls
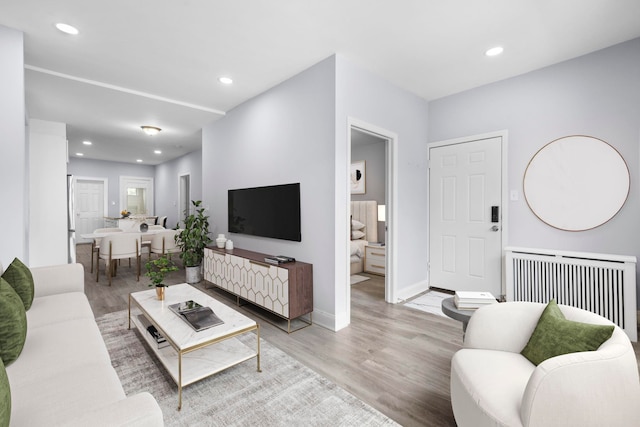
(494, 51)
(157, 151)
(150, 130)
(139, 160)
(68, 29)
(225, 80)
(87, 142)
(79, 154)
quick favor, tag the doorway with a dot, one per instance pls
(467, 215)
(91, 207)
(184, 195)
(389, 140)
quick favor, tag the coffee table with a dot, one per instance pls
(192, 356)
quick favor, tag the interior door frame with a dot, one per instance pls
(503, 135)
(391, 156)
(183, 213)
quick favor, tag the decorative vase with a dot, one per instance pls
(160, 292)
(144, 227)
(221, 240)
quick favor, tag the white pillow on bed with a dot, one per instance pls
(357, 234)
(356, 225)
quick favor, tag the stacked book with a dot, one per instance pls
(468, 300)
(151, 330)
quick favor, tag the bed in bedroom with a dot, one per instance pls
(364, 229)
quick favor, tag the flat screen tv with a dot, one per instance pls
(272, 211)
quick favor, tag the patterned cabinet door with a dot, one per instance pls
(270, 288)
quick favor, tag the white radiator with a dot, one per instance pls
(600, 283)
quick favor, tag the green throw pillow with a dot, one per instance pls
(20, 278)
(13, 323)
(554, 335)
(5, 397)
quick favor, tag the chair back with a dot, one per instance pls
(121, 245)
(164, 242)
(162, 221)
(156, 227)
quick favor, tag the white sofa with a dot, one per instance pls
(492, 384)
(63, 375)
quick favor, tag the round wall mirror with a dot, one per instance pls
(576, 183)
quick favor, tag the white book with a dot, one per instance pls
(470, 296)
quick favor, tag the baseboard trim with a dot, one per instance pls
(404, 294)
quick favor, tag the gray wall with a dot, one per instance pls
(112, 171)
(285, 135)
(597, 95)
(13, 168)
(167, 180)
(365, 96)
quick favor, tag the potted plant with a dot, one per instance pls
(192, 240)
(157, 269)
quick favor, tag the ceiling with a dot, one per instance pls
(156, 62)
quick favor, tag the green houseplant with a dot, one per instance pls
(157, 269)
(192, 240)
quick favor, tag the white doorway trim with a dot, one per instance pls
(391, 139)
(141, 181)
(503, 135)
(184, 177)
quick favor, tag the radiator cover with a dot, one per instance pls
(601, 283)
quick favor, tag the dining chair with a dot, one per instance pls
(164, 243)
(116, 247)
(95, 244)
(162, 220)
(146, 238)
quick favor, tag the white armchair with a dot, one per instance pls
(492, 384)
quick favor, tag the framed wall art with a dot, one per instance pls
(358, 177)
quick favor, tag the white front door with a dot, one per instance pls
(89, 195)
(465, 216)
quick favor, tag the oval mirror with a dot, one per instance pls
(576, 183)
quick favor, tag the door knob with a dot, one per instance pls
(495, 228)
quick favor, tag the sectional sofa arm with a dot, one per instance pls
(139, 410)
(57, 279)
(599, 380)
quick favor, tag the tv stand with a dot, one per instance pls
(285, 290)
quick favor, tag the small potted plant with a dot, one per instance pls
(157, 269)
(192, 240)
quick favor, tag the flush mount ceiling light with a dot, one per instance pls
(150, 130)
(157, 151)
(79, 154)
(87, 142)
(494, 51)
(67, 29)
(225, 80)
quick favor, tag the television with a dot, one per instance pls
(272, 211)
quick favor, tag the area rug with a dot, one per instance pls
(285, 393)
(430, 302)
(356, 278)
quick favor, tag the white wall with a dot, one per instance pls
(366, 97)
(13, 169)
(597, 95)
(47, 193)
(285, 135)
(167, 181)
(88, 168)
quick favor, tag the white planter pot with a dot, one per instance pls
(194, 274)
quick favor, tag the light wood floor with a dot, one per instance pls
(395, 358)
